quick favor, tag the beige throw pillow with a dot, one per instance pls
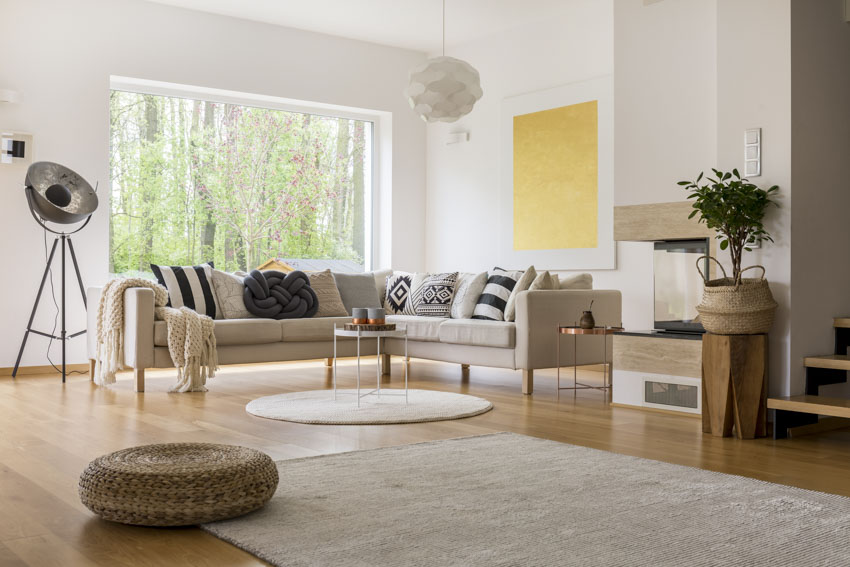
(542, 281)
(578, 281)
(229, 290)
(330, 302)
(522, 284)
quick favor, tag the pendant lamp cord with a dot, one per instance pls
(444, 28)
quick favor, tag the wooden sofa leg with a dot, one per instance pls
(386, 364)
(139, 377)
(92, 364)
(329, 361)
(527, 382)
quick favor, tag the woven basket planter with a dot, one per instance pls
(178, 484)
(745, 307)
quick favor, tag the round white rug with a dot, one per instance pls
(318, 406)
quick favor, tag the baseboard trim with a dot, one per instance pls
(47, 369)
(658, 410)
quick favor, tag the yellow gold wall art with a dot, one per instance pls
(555, 178)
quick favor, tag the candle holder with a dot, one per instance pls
(359, 316)
(377, 316)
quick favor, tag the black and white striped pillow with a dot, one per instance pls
(190, 286)
(494, 299)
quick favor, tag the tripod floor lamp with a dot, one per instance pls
(57, 195)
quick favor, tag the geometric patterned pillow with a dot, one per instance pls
(398, 292)
(434, 297)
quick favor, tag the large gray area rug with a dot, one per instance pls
(508, 499)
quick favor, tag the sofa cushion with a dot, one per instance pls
(522, 284)
(229, 291)
(579, 281)
(474, 332)
(312, 329)
(330, 302)
(357, 290)
(418, 328)
(381, 282)
(232, 332)
(543, 281)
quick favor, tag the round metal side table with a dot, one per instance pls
(575, 331)
(359, 334)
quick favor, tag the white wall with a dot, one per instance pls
(820, 127)
(60, 55)
(664, 124)
(665, 97)
(754, 91)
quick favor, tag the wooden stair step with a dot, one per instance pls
(818, 405)
(833, 361)
(841, 322)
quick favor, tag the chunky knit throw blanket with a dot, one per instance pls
(191, 340)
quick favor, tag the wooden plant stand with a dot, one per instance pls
(734, 385)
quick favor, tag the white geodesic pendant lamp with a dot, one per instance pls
(443, 89)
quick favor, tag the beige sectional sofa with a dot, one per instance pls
(527, 344)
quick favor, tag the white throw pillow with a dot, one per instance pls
(469, 289)
(522, 284)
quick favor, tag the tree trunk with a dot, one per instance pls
(305, 223)
(208, 229)
(149, 132)
(359, 190)
(341, 188)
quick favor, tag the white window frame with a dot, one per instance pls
(378, 196)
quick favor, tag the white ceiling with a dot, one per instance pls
(411, 24)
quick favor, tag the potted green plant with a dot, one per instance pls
(735, 208)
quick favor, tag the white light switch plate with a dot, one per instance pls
(752, 152)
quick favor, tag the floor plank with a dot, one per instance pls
(52, 430)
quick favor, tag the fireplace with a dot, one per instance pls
(678, 285)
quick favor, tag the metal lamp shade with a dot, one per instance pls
(443, 89)
(58, 194)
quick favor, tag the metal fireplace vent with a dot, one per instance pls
(667, 394)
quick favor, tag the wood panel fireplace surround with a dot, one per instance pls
(660, 371)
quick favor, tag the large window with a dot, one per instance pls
(194, 180)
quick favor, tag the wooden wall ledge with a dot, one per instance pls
(658, 221)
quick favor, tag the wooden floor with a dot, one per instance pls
(50, 432)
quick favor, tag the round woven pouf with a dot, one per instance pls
(178, 484)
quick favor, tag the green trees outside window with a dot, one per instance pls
(193, 181)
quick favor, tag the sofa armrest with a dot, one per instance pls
(138, 327)
(540, 312)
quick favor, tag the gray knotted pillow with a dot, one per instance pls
(279, 295)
